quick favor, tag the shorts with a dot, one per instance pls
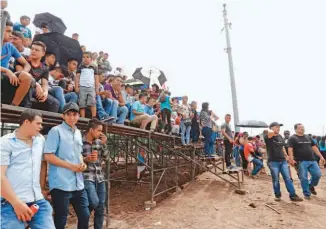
(140, 168)
(87, 97)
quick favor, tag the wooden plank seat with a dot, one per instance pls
(11, 114)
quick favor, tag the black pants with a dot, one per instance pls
(166, 118)
(244, 161)
(51, 104)
(228, 151)
(8, 92)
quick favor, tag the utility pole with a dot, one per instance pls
(232, 79)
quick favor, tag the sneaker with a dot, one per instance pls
(278, 199)
(307, 197)
(313, 191)
(231, 167)
(108, 119)
(296, 198)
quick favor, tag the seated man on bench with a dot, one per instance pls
(15, 87)
(138, 115)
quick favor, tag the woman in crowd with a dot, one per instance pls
(185, 126)
(236, 153)
(206, 124)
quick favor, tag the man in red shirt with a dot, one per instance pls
(248, 153)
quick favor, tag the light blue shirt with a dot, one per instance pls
(24, 166)
(66, 143)
(149, 110)
(138, 107)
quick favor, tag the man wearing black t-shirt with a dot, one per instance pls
(277, 162)
(301, 153)
(41, 75)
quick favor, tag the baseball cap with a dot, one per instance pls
(70, 107)
(275, 124)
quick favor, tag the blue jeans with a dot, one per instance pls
(314, 170)
(258, 166)
(236, 155)
(185, 133)
(207, 133)
(71, 97)
(119, 112)
(212, 149)
(101, 114)
(96, 193)
(58, 93)
(62, 199)
(42, 219)
(283, 168)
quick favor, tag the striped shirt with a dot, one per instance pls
(87, 76)
(94, 169)
(205, 119)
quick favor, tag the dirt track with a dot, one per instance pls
(210, 203)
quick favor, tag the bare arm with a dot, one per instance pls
(137, 113)
(24, 63)
(22, 211)
(54, 160)
(97, 85)
(317, 152)
(45, 85)
(7, 191)
(77, 79)
(284, 152)
(121, 100)
(44, 171)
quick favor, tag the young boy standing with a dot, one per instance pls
(87, 85)
(141, 157)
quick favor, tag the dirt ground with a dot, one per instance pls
(211, 203)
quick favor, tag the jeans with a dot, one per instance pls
(107, 105)
(314, 170)
(185, 133)
(96, 193)
(57, 92)
(227, 152)
(42, 219)
(207, 133)
(119, 112)
(236, 155)
(101, 114)
(283, 168)
(258, 166)
(62, 199)
(212, 149)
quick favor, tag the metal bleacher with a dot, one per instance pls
(167, 159)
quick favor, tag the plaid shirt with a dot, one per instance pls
(94, 169)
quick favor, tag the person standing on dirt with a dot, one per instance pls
(62, 151)
(228, 141)
(94, 152)
(277, 162)
(301, 153)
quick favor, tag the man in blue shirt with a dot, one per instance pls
(14, 86)
(22, 27)
(23, 176)
(63, 151)
(139, 116)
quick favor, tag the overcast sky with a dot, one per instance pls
(279, 49)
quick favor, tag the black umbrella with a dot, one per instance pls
(54, 23)
(62, 46)
(149, 75)
(252, 124)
